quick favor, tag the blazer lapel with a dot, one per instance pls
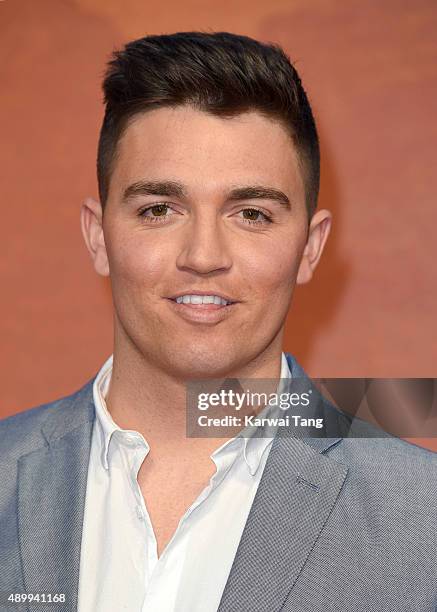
(51, 498)
(297, 492)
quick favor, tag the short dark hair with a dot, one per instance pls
(220, 73)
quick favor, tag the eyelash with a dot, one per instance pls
(141, 213)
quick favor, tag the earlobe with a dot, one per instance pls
(91, 217)
(318, 234)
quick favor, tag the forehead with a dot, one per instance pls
(200, 149)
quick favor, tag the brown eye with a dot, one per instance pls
(159, 210)
(251, 213)
(156, 213)
(253, 216)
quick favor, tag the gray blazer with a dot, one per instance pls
(338, 523)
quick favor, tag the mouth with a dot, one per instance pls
(206, 308)
(203, 299)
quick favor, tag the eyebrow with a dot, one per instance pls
(174, 189)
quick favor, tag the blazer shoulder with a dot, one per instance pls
(370, 443)
(392, 459)
(23, 432)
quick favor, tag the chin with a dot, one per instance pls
(202, 363)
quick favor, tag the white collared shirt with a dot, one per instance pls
(119, 566)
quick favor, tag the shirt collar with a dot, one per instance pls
(104, 422)
(253, 447)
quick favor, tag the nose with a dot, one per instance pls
(204, 247)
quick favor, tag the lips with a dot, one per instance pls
(196, 297)
(203, 307)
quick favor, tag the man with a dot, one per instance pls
(208, 170)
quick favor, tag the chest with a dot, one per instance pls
(168, 491)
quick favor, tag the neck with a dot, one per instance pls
(147, 398)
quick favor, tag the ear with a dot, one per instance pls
(317, 235)
(91, 216)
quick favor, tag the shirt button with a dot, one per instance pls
(140, 513)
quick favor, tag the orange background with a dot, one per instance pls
(370, 71)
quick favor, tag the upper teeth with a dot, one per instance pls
(201, 299)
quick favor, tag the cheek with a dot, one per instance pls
(136, 262)
(272, 272)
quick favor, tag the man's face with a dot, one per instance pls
(204, 205)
